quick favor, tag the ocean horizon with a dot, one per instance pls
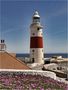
(46, 55)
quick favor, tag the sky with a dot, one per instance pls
(16, 17)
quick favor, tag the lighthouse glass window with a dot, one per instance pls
(35, 20)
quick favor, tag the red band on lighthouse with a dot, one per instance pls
(36, 42)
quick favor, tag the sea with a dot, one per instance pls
(47, 55)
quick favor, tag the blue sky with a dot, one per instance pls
(16, 17)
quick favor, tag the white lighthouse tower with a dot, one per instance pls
(36, 40)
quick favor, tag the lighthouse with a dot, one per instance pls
(36, 40)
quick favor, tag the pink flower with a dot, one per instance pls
(42, 89)
(48, 89)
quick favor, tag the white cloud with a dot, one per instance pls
(59, 12)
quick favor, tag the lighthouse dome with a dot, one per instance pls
(36, 14)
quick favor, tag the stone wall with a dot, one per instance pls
(59, 74)
(33, 72)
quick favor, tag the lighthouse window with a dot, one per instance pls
(33, 60)
(32, 50)
(38, 28)
(33, 33)
(36, 19)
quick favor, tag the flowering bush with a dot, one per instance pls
(20, 81)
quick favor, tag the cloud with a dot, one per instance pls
(58, 33)
(13, 29)
(8, 31)
(59, 12)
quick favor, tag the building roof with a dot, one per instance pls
(7, 61)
